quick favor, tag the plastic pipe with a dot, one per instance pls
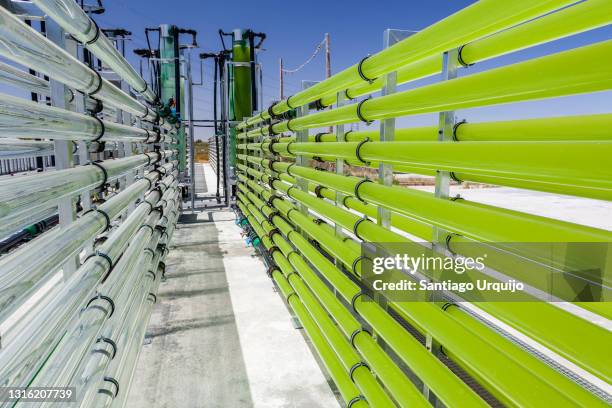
(26, 46)
(71, 17)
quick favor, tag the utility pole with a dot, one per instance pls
(328, 67)
(327, 56)
(281, 76)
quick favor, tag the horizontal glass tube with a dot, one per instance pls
(71, 17)
(15, 77)
(20, 196)
(20, 118)
(17, 148)
(579, 17)
(22, 358)
(471, 23)
(26, 46)
(22, 273)
(9, 227)
(124, 277)
(545, 77)
(572, 167)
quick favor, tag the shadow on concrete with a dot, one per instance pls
(195, 358)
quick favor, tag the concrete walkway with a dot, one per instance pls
(220, 335)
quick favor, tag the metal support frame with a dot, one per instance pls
(63, 148)
(446, 124)
(189, 78)
(226, 134)
(387, 126)
(301, 136)
(340, 133)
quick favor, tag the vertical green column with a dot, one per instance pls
(240, 85)
(168, 56)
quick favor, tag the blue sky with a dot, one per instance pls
(294, 29)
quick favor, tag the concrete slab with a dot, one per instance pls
(220, 335)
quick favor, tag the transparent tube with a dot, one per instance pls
(75, 21)
(16, 148)
(22, 358)
(84, 330)
(482, 18)
(24, 45)
(121, 331)
(15, 77)
(25, 119)
(11, 226)
(25, 270)
(20, 196)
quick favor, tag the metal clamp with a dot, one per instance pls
(271, 269)
(354, 299)
(355, 367)
(318, 137)
(356, 332)
(288, 124)
(356, 191)
(104, 183)
(106, 217)
(99, 86)
(317, 191)
(153, 296)
(115, 383)
(455, 127)
(273, 232)
(108, 341)
(360, 70)
(289, 103)
(356, 226)
(355, 400)
(460, 58)
(102, 129)
(346, 133)
(359, 258)
(360, 115)
(289, 296)
(358, 151)
(102, 297)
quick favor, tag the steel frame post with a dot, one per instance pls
(446, 123)
(187, 59)
(301, 136)
(225, 143)
(387, 126)
(63, 149)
